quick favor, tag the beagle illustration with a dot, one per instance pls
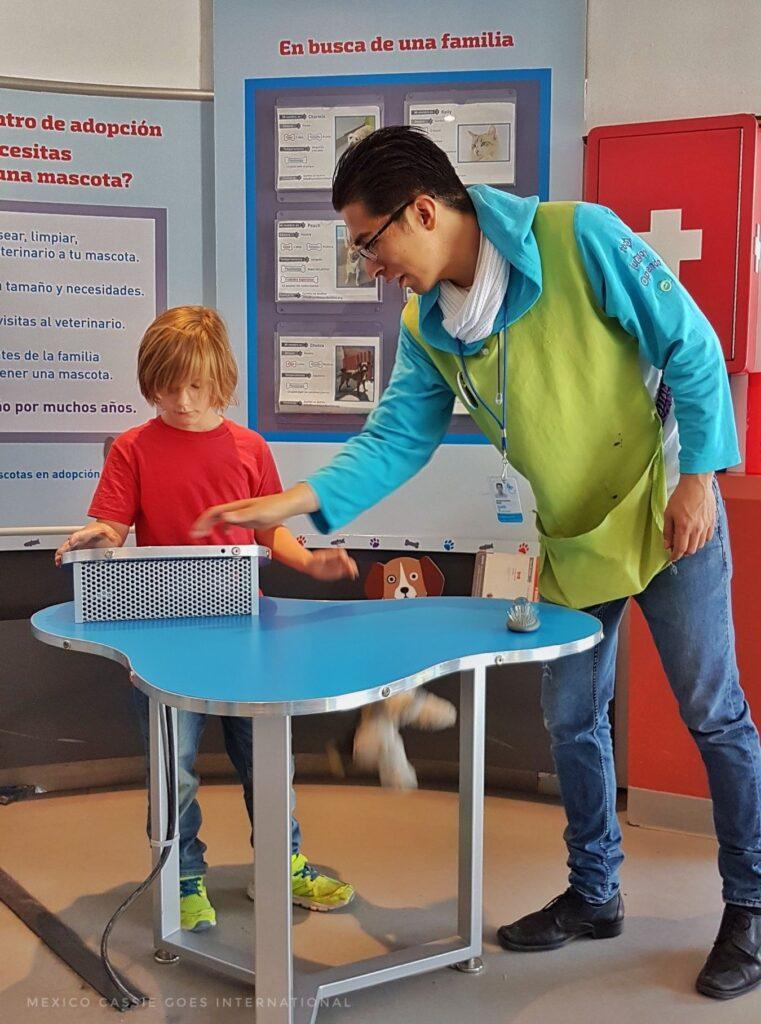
(378, 744)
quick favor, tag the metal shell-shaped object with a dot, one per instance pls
(522, 616)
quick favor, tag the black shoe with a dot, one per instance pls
(567, 917)
(733, 966)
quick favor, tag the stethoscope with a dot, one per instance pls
(472, 399)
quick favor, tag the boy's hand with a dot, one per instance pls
(94, 535)
(332, 564)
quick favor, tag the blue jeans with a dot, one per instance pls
(238, 743)
(688, 610)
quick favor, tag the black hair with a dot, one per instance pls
(392, 165)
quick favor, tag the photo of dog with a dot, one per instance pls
(355, 373)
(357, 377)
(351, 271)
(378, 745)
(351, 129)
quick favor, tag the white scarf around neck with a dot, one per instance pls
(469, 313)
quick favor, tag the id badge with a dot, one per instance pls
(507, 501)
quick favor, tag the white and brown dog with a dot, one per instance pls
(378, 744)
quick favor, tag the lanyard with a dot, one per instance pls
(500, 399)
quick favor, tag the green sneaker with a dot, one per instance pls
(312, 890)
(196, 913)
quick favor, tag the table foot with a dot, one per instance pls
(164, 956)
(474, 965)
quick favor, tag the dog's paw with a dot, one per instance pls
(395, 771)
(398, 776)
(432, 713)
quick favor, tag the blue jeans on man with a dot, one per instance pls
(688, 608)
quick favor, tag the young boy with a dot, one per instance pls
(161, 476)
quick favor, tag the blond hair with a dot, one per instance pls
(183, 344)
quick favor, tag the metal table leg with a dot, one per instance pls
(273, 953)
(471, 846)
(463, 951)
(281, 996)
(166, 890)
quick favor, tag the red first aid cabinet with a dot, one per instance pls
(693, 189)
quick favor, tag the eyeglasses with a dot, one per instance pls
(367, 250)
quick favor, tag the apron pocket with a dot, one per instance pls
(619, 557)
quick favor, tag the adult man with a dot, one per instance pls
(581, 358)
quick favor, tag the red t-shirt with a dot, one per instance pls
(161, 479)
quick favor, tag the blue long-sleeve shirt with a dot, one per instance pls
(413, 415)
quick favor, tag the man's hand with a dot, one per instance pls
(690, 517)
(332, 564)
(94, 535)
(257, 513)
(253, 514)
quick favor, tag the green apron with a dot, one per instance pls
(581, 427)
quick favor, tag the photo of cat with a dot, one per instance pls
(483, 143)
(352, 129)
(350, 267)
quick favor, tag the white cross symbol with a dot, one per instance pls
(672, 242)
